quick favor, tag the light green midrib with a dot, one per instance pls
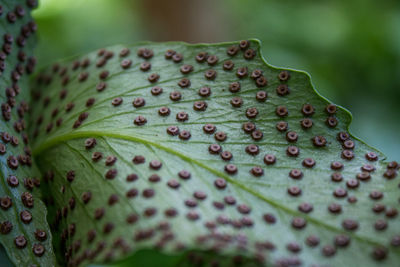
(85, 134)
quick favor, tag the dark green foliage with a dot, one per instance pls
(24, 231)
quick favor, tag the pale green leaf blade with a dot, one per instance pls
(260, 213)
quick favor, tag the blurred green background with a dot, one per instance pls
(351, 48)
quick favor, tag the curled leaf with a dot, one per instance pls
(174, 147)
(24, 231)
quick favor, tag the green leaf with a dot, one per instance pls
(24, 231)
(267, 172)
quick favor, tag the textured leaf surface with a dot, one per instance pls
(266, 171)
(24, 231)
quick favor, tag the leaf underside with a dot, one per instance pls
(261, 174)
(24, 232)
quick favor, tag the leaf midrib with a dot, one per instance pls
(86, 134)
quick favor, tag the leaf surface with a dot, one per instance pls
(155, 146)
(24, 231)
